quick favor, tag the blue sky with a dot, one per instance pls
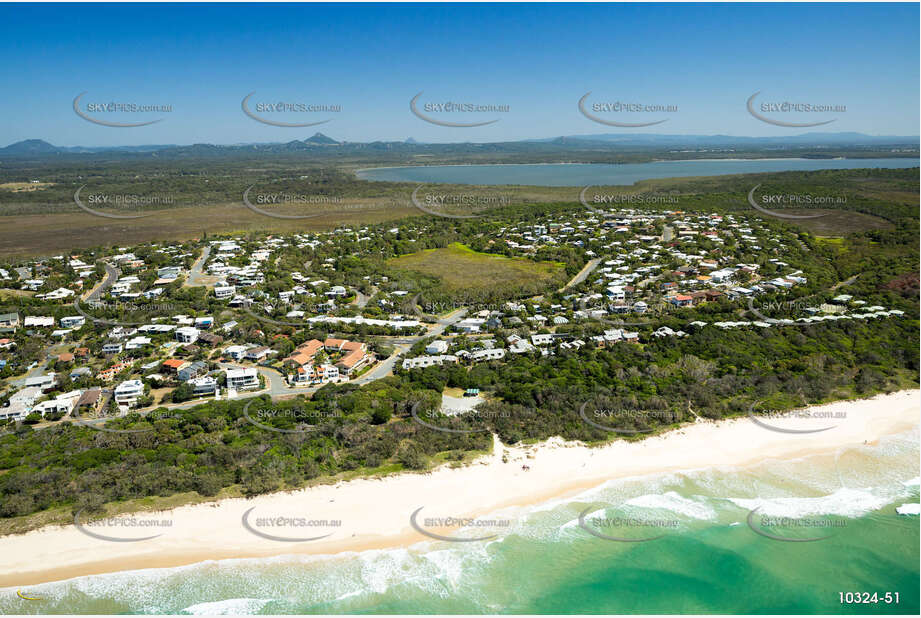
(202, 59)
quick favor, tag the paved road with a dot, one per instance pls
(196, 275)
(361, 300)
(582, 275)
(111, 276)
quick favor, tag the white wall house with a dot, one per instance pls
(112, 348)
(127, 393)
(224, 291)
(436, 347)
(428, 361)
(73, 321)
(236, 352)
(205, 385)
(187, 334)
(243, 379)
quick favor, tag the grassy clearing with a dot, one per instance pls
(838, 222)
(460, 268)
(20, 187)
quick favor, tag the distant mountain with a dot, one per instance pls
(30, 147)
(319, 138)
(41, 147)
(814, 144)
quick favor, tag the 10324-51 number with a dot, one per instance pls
(889, 598)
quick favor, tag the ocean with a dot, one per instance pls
(703, 556)
(580, 175)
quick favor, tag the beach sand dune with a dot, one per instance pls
(375, 513)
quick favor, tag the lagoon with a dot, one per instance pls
(582, 174)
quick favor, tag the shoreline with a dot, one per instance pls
(375, 513)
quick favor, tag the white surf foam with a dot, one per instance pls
(909, 509)
(845, 502)
(227, 607)
(675, 503)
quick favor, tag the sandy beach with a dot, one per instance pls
(376, 513)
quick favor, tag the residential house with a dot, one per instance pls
(204, 385)
(187, 334)
(112, 348)
(428, 361)
(192, 370)
(210, 339)
(487, 355)
(257, 354)
(20, 404)
(89, 401)
(72, 321)
(243, 379)
(303, 355)
(236, 352)
(9, 320)
(224, 291)
(62, 404)
(173, 365)
(44, 382)
(127, 393)
(437, 347)
(107, 375)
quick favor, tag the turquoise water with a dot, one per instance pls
(708, 561)
(580, 175)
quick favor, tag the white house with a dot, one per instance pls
(428, 361)
(44, 382)
(187, 334)
(243, 379)
(487, 355)
(62, 404)
(73, 321)
(236, 352)
(137, 342)
(20, 403)
(224, 291)
(128, 392)
(205, 385)
(437, 347)
(112, 348)
(38, 320)
(470, 325)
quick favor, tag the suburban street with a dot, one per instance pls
(111, 276)
(582, 275)
(196, 275)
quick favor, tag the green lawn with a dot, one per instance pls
(461, 269)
